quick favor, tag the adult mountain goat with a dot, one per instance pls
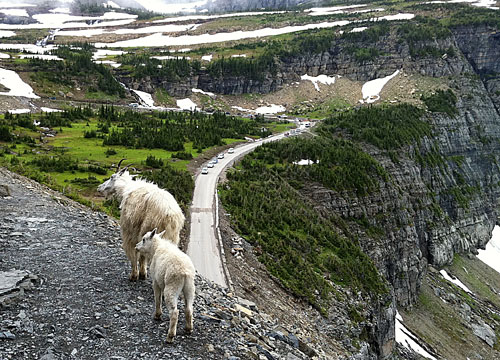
(172, 272)
(144, 206)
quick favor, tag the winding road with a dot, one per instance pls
(203, 247)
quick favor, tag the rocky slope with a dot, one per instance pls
(64, 293)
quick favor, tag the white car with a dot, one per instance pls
(210, 165)
(230, 151)
(204, 171)
(221, 156)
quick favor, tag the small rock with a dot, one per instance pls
(98, 332)
(485, 333)
(244, 310)
(7, 335)
(210, 348)
(4, 190)
(293, 341)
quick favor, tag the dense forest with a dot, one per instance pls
(169, 130)
(296, 243)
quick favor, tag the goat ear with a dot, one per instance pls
(162, 233)
(153, 233)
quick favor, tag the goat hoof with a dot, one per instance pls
(142, 276)
(157, 317)
(132, 277)
(188, 330)
(170, 340)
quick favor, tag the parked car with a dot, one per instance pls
(230, 151)
(221, 156)
(215, 160)
(210, 165)
(204, 171)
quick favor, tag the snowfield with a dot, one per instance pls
(324, 79)
(159, 6)
(6, 33)
(408, 340)
(371, 89)
(199, 91)
(491, 254)
(455, 281)
(15, 12)
(17, 86)
(64, 21)
(186, 104)
(146, 98)
(271, 109)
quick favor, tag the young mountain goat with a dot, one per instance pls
(172, 272)
(143, 206)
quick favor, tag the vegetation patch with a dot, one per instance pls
(337, 164)
(441, 101)
(386, 127)
(296, 243)
(78, 153)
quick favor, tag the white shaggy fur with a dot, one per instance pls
(172, 272)
(143, 206)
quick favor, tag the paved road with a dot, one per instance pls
(203, 245)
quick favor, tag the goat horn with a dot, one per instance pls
(119, 164)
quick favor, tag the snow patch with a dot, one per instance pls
(158, 39)
(358, 29)
(10, 4)
(324, 79)
(145, 97)
(109, 62)
(19, 111)
(394, 17)
(211, 17)
(186, 104)
(157, 29)
(170, 57)
(408, 340)
(6, 33)
(47, 110)
(60, 10)
(455, 281)
(239, 55)
(331, 10)
(203, 92)
(4, 56)
(305, 162)
(371, 89)
(31, 48)
(15, 12)
(491, 254)
(159, 6)
(271, 109)
(17, 86)
(241, 109)
(100, 53)
(113, 5)
(62, 21)
(207, 57)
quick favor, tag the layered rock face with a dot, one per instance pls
(428, 211)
